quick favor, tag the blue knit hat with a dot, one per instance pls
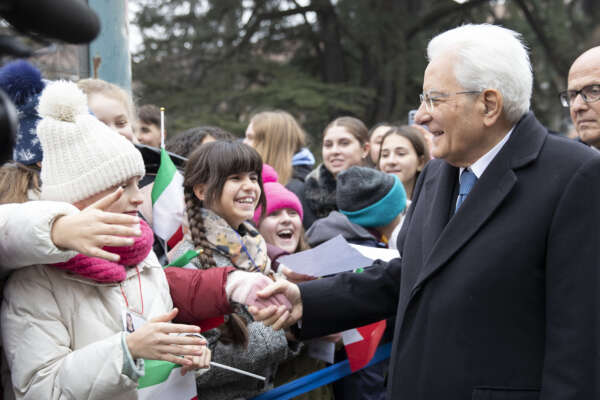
(23, 84)
(368, 197)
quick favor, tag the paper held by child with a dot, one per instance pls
(334, 256)
(376, 253)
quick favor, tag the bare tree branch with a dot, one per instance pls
(560, 66)
(438, 13)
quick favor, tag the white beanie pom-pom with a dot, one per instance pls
(63, 101)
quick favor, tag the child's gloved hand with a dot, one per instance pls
(242, 286)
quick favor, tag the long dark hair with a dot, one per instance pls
(413, 136)
(210, 165)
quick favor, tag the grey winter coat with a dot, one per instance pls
(266, 349)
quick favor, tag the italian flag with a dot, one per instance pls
(163, 380)
(361, 343)
(167, 201)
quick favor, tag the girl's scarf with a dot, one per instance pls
(245, 248)
(103, 271)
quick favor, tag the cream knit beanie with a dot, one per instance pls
(82, 156)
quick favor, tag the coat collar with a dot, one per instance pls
(445, 235)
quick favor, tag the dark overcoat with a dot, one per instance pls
(499, 300)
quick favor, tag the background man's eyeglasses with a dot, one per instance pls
(589, 94)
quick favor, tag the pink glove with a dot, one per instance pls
(242, 286)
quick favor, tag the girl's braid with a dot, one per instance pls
(198, 230)
(234, 330)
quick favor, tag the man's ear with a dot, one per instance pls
(199, 191)
(493, 103)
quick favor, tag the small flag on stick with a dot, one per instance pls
(168, 203)
(163, 380)
(361, 343)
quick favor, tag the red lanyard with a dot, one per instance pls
(141, 296)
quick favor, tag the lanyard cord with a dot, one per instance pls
(140, 286)
(246, 250)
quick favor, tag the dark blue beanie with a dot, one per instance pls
(23, 84)
(368, 197)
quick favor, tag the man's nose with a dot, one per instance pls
(578, 103)
(422, 116)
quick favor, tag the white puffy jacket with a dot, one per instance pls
(62, 334)
(25, 234)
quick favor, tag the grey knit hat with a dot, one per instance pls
(369, 197)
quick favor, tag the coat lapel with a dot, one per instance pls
(439, 188)
(488, 193)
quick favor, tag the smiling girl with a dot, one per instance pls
(404, 154)
(345, 144)
(281, 224)
(223, 187)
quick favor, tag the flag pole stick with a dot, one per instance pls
(162, 127)
(239, 371)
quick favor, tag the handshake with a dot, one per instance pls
(277, 304)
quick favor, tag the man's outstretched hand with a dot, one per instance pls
(242, 287)
(279, 316)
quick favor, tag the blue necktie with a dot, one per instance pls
(467, 180)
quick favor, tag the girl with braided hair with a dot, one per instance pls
(223, 187)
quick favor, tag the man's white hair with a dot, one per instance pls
(489, 57)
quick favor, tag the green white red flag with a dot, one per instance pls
(163, 380)
(167, 201)
(361, 343)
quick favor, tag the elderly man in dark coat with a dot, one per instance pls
(497, 292)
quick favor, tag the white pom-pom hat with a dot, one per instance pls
(82, 156)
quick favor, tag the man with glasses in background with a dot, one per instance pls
(582, 96)
(496, 295)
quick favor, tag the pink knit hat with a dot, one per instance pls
(269, 174)
(277, 195)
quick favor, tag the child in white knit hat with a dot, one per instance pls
(63, 335)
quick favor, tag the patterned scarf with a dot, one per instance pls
(103, 271)
(245, 248)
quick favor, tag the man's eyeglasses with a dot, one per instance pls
(589, 94)
(431, 98)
